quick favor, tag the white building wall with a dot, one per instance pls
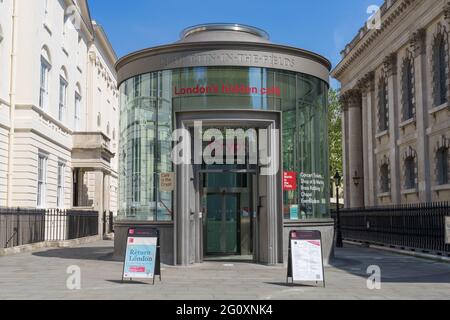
(38, 130)
(5, 69)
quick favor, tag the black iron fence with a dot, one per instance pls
(21, 226)
(25, 226)
(418, 227)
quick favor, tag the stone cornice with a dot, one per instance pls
(367, 37)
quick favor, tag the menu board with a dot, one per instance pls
(305, 257)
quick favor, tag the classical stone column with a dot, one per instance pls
(390, 65)
(367, 86)
(418, 46)
(98, 199)
(106, 199)
(345, 148)
(353, 102)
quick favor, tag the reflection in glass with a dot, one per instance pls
(149, 101)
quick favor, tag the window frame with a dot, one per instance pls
(60, 178)
(383, 106)
(442, 171)
(384, 178)
(77, 112)
(440, 68)
(410, 173)
(63, 85)
(408, 89)
(44, 84)
(41, 194)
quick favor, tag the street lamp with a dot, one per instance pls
(339, 242)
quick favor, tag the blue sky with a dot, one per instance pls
(322, 26)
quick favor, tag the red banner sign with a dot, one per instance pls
(289, 181)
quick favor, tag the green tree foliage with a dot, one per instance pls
(335, 132)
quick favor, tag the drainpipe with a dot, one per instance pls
(12, 100)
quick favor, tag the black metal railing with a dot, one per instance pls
(26, 226)
(82, 224)
(418, 227)
(21, 226)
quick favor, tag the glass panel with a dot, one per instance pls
(214, 223)
(231, 223)
(222, 224)
(149, 101)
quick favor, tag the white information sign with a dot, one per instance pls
(307, 264)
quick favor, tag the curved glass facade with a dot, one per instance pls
(149, 101)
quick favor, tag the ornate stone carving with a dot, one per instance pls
(367, 83)
(418, 42)
(390, 64)
(351, 99)
(447, 12)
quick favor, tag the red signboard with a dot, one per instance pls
(289, 181)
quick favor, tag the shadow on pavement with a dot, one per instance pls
(85, 253)
(395, 268)
(129, 282)
(294, 285)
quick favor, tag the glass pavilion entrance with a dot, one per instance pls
(229, 210)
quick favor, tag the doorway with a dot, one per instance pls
(228, 212)
(203, 228)
(222, 225)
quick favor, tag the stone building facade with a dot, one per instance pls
(58, 107)
(395, 91)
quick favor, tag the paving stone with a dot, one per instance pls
(43, 275)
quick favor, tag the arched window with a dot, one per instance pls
(408, 89)
(384, 178)
(44, 78)
(442, 166)
(99, 120)
(383, 105)
(410, 173)
(440, 69)
(114, 134)
(108, 129)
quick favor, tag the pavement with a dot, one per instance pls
(43, 275)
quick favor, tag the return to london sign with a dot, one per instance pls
(142, 259)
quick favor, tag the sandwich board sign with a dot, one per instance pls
(142, 257)
(305, 262)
